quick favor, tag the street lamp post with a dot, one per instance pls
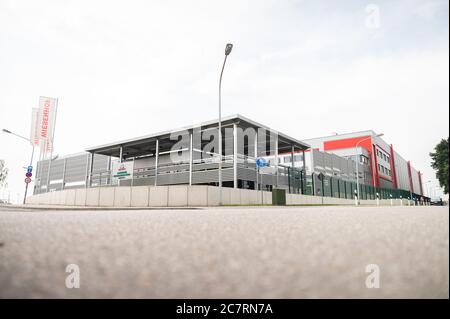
(357, 162)
(426, 187)
(31, 160)
(228, 49)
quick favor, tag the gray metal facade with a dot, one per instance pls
(67, 172)
(159, 159)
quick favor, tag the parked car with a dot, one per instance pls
(437, 202)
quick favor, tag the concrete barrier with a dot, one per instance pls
(248, 197)
(198, 195)
(52, 196)
(267, 198)
(178, 196)
(80, 197)
(235, 196)
(106, 196)
(213, 196)
(337, 201)
(92, 196)
(61, 197)
(70, 197)
(139, 196)
(158, 196)
(122, 196)
(184, 195)
(44, 198)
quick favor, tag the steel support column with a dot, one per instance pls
(63, 183)
(86, 180)
(156, 162)
(121, 154)
(235, 158)
(256, 156)
(109, 177)
(49, 167)
(190, 156)
(293, 167)
(91, 169)
(276, 159)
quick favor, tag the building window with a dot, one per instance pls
(298, 158)
(364, 159)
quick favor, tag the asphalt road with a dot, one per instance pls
(267, 252)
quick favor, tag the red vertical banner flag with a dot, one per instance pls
(34, 132)
(46, 123)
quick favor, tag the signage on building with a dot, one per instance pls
(122, 171)
(47, 117)
(43, 125)
(261, 162)
(34, 133)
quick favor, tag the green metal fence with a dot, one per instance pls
(323, 185)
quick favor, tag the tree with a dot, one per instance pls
(440, 163)
(3, 173)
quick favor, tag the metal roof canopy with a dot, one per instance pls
(145, 145)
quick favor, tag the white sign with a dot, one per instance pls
(47, 117)
(122, 170)
(34, 133)
(268, 170)
(46, 123)
(46, 147)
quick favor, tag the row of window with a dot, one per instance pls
(362, 159)
(382, 155)
(287, 159)
(384, 170)
(297, 158)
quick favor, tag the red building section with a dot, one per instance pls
(382, 175)
(411, 185)
(394, 171)
(375, 172)
(362, 141)
(368, 143)
(348, 143)
(420, 183)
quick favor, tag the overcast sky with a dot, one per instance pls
(306, 68)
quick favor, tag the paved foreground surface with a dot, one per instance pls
(292, 252)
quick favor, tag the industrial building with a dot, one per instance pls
(386, 167)
(187, 155)
(191, 156)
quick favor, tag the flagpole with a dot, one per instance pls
(51, 145)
